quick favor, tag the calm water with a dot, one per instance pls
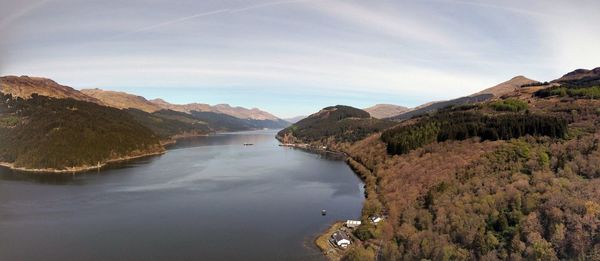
(207, 198)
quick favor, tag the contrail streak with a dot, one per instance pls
(209, 13)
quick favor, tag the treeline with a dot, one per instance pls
(464, 125)
(591, 92)
(534, 84)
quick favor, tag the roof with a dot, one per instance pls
(339, 236)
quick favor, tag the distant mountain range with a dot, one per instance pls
(238, 112)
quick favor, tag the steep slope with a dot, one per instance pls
(24, 86)
(499, 90)
(507, 87)
(340, 123)
(121, 100)
(68, 135)
(381, 111)
(440, 105)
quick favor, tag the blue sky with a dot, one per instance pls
(294, 57)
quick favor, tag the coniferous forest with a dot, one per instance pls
(44, 132)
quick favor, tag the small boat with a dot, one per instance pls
(323, 212)
(248, 144)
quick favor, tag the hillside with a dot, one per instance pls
(121, 100)
(499, 90)
(68, 135)
(340, 123)
(25, 86)
(511, 178)
(507, 87)
(169, 124)
(382, 111)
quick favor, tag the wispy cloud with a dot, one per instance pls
(15, 15)
(204, 14)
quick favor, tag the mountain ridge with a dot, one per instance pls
(235, 111)
(496, 91)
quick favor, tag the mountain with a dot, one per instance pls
(510, 178)
(341, 123)
(121, 100)
(187, 108)
(381, 111)
(499, 90)
(295, 119)
(579, 74)
(226, 118)
(238, 112)
(507, 87)
(53, 134)
(25, 86)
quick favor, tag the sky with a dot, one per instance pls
(294, 57)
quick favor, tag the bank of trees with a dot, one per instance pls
(464, 125)
(591, 92)
(46, 132)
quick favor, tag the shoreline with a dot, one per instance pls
(321, 240)
(165, 144)
(328, 250)
(73, 170)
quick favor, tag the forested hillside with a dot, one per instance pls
(168, 124)
(340, 123)
(50, 133)
(504, 179)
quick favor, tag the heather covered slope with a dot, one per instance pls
(122, 100)
(25, 86)
(66, 134)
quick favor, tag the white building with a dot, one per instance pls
(352, 223)
(340, 239)
(375, 219)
